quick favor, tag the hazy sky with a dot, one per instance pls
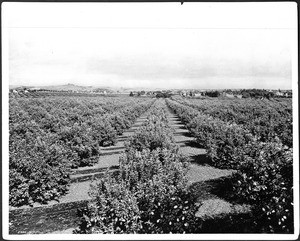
(161, 45)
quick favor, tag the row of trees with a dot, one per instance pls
(264, 176)
(150, 192)
(157, 94)
(48, 137)
(267, 120)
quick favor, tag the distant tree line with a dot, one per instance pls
(213, 93)
(157, 94)
(160, 94)
(257, 93)
(139, 93)
(246, 93)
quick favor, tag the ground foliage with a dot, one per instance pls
(267, 119)
(49, 136)
(151, 180)
(264, 176)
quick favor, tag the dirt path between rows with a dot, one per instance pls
(207, 181)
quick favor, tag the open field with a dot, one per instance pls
(95, 164)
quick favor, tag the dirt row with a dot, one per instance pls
(207, 181)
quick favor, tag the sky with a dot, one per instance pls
(151, 45)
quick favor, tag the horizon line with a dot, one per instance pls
(149, 88)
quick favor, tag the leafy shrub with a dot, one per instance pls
(167, 208)
(265, 179)
(120, 123)
(154, 184)
(225, 143)
(79, 142)
(114, 209)
(48, 136)
(154, 133)
(202, 128)
(39, 173)
(152, 179)
(264, 169)
(152, 136)
(222, 140)
(140, 166)
(103, 132)
(267, 120)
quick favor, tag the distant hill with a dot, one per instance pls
(12, 87)
(67, 87)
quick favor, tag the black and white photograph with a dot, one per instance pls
(143, 120)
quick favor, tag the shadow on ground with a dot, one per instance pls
(219, 212)
(45, 219)
(187, 134)
(201, 159)
(193, 143)
(214, 188)
(230, 223)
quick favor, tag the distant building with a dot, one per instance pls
(279, 93)
(183, 93)
(228, 95)
(34, 89)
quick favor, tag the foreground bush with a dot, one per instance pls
(153, 183)
(114, 210)
(152, 180)
(265, 179)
